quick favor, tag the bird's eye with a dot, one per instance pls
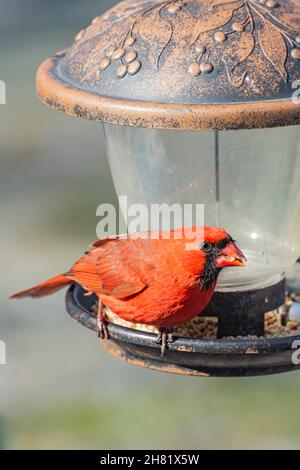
(206, 247)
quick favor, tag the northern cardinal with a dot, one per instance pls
(150, 280)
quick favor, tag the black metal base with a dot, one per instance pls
(242, 313)
(216, 358)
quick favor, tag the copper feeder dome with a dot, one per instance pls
(198, 65)
(193, 65)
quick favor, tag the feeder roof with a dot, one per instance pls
(194, 64)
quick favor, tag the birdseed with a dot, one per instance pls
(277, 324)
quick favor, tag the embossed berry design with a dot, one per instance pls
(230, 31)
(224, 33)
(122, 49)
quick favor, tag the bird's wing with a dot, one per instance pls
(114, 267)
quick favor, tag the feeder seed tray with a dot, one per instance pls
(229, 357)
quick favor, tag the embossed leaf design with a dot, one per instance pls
(211, 21)
(236, 55)
(293, 20)
(274, 47)
(156, 39)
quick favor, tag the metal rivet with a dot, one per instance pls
(296, 54)
(121, 71)
(194, 69)
(130, 56)
(118, 54)
(134, 67)
(220, 36)
(271, 3)
(105, 63)
(206, 67)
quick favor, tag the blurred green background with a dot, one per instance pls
(59, 389)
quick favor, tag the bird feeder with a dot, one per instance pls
(198, 101)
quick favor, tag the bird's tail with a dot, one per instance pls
(45, 288)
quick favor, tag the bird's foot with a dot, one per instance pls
(164, 338)
(102, 329)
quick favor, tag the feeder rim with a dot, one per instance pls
(65, 97)
(233, 346)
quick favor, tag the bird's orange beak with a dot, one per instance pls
(231, 255)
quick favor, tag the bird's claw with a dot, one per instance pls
(102, 329)
(164, 338)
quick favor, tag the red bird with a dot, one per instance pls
(155, 278)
